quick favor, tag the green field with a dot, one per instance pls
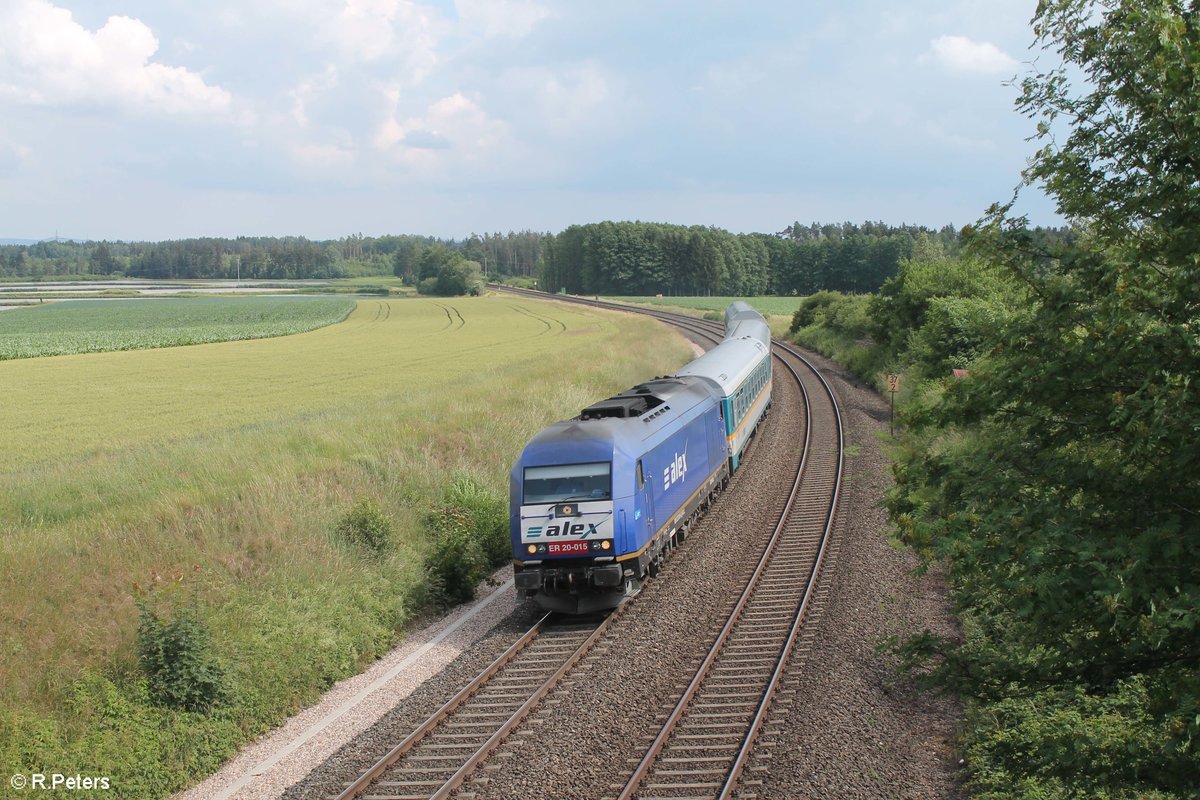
(224, 468)
(767, 306)
(97, 326)
(777, 310)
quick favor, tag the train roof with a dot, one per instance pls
(742, 321)
(747, 341)
(625, 421)
(739, 309)
(728, 364)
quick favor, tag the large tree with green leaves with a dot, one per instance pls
(1061, 483)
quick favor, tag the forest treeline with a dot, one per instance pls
(626, 258)
(265, 258)
(641, 258)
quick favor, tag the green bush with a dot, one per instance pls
(175, 653)
(488, 515)
(366, 525)
(1072, 743)
(844, 313)
(848, 315)
(470, 528)
(457, 563)
(811, 308)
(902, 303)
(453, 279)
(957, 331)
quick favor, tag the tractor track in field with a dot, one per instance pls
(549, 322)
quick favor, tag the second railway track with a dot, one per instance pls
(705, 743)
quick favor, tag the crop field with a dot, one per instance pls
(221, 471)
(96, 326)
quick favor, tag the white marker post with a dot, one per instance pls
(893, 386)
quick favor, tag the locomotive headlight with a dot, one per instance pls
(605, 545)
(531, 549)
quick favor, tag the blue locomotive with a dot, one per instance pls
(597, 502)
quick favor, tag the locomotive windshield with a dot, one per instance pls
(564, 482)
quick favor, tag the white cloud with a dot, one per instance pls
(46, 58)
(514, 18)
(309, 89)
(452, 132)
(323, 156)
(568, 99)
(387, 30)
(967, 55)
(13, 157)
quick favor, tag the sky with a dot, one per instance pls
(167, 119)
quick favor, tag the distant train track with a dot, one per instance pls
(709, 731)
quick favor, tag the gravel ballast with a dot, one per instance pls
(854, 728)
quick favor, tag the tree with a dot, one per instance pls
(406, 258)
(454, 276)
(101, 261)
(1065, 488)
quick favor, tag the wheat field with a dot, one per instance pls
(223, 468)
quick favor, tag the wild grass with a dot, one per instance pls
(226, 468)
(93, 326)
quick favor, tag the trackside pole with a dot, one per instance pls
(893, 386)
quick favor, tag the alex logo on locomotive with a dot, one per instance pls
(675, 471)
(578, 530)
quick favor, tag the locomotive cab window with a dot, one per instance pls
(564, 482)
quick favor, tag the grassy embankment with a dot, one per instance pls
(225, 468)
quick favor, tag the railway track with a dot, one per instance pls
(434, 760)
(703, 746)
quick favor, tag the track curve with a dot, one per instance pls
(723, 707)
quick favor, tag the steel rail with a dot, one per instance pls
(760, 716)
(643, 768)
(486, 748)
(706, 329)
(430, 725)
(766, 697)
(392, 756)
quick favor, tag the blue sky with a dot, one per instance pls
(159, 119)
